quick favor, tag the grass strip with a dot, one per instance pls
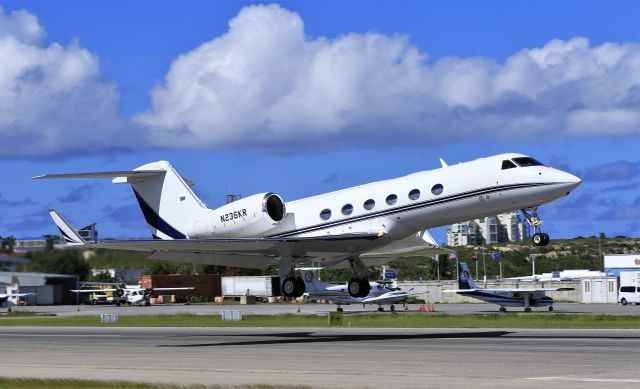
(397, 320)
(29, 383)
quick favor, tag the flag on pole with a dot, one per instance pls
(474, 258)
(496, 255)
(453, 255)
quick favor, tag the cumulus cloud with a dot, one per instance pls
(53, 99)
(613, 171)
(80, 193)
(266, 83)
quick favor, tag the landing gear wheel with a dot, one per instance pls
(354, 287)
(550, 308)
(300, 289)
(289, 287)
(365, 287)
(503, 309)
(392, 308)
(527, 309)
(339, 309)
(545, 238)
(9, 310)
(380, 309)
(623, 301)
(538, 239)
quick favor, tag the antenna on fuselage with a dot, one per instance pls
(443, 163)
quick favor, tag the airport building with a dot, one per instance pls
(503, 228)
(618, 263)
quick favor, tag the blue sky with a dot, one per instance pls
(300, 98)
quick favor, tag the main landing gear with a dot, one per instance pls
(359, 284)
(539, 238)
(292, 283)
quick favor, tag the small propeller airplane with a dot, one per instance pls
(128, 294)
(5, 301)
(338, 293)
(518, 297)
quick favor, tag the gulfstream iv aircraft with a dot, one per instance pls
(356, 227)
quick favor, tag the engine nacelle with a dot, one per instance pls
(248, 217)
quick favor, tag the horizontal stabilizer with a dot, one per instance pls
(115, 174)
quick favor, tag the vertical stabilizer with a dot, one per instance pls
(312, 283)
(169, 205)
(465, 280)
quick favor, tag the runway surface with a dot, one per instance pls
(270, 309)
(354, 358)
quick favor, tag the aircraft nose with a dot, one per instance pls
(569, 180)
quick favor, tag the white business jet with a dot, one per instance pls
(128, 294)
(337, 293)
(518, 297)
(358, 227)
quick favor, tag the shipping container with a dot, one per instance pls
(259, 286)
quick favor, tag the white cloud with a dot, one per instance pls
(53, 99)
(266, 83)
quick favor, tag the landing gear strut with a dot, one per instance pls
(539, 238)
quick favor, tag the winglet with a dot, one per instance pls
(443, 163)
(70, 235)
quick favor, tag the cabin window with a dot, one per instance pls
(325, 214)
(347, 209)
(437, 189)
(369, 204)
(527, 161)
(392, 199)
(506, 164)
(414, 194)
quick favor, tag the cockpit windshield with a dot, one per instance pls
(527, 161)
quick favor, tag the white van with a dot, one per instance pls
(629, 291)
(628, 295)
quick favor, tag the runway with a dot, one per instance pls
(313, 308)
(353, 358)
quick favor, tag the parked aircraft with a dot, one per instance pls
(519, 297)
(356, 227)
(126, 294)
(338, 293)
(5, 301)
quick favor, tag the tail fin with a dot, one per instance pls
(70, 235)
(169, 205)
(465, 280)
(311, 281)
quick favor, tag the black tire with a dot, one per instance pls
(503, 309)
(550, 308)
(392, 308)
(365, 287)
(9, 310)
(339, 309)
(545, 239)
(380, 309)
(354, 287)
(300, 288)
(537, 239)
(623, 301)
(289, 287)
(527, 309)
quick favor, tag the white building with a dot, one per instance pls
(506, 227)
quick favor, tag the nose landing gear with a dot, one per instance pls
(539, 238)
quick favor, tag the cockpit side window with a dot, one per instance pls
(506, 164)
(527, 161)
